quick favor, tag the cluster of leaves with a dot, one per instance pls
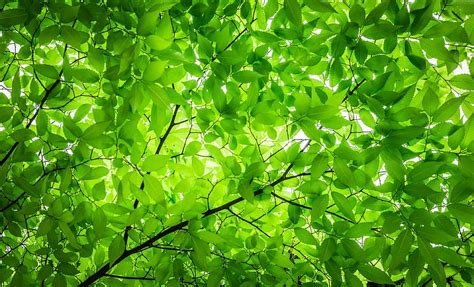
(236, 142)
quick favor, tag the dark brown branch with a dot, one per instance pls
(158, 150)
(352, 91)
(43, 101)
(307, 207)
(129, 277)
(150, 242)
(12, 202)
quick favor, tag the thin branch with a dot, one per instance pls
(129, 277)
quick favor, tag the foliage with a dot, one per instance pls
(236, 141)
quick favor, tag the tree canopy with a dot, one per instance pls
(236, 142)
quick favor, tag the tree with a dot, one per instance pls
(236, 142)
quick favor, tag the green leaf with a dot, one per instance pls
(45, 226)
(11, 17)
(321, 112)
(379, 31)
(436, 49)
(357, 14)
(401, 248)
(430, 101)
(154, 71)
(294, 213)
(147, 23)
(155, 162)
(116, 248)
(436, 269)
(374, 274)
(231, 57)
(5, 113)
(293, 12)
(447, 109)
(22, 135)
(418, 62)
(327, 249)
(99, 223)
(424, 170)
(192, 148)
(353, 249)
(305, 236)
(246, 76)
(319, 206)
(377, 12)
(319, 165)
(344, 173)
(415, 264)
(463, 81)
(320, 6)
(47, 71)
(85, 75)
(359, 230)
(461, 191)
(462, 212)
(450, 256)
(343, 204)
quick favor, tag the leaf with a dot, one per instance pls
(379, 31)
(463, 81)
(450, 256)
(319, 206)
(99, 222)
(5, 113)
(154, 71)
(85, 75)
(447, 109)
(305, 236)
(415, 264)
(338, 45)
(45, 226)
(461, 191)
(401, 248)
(47, 71)
(319, 165)
(11, 17)
(327, 249)
(116, 248)
(231, 57)
(418, 62)
(424, 170)
(294, 213)
(436, 269)
(374, 274)
(321, 112)
(155, 162)
(22, 135)
(462, 212)
(192, 148)
(147, 23)
(246, 76)
(436, 49)
(377, 12)
(357, 14)
(343, 204)
(353, 249)
(393, 164)
(344, 173)
(293, 12)
(359, 230)
(430, 101)
(320, 6)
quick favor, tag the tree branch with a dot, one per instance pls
(150, 242)
(129, 277)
